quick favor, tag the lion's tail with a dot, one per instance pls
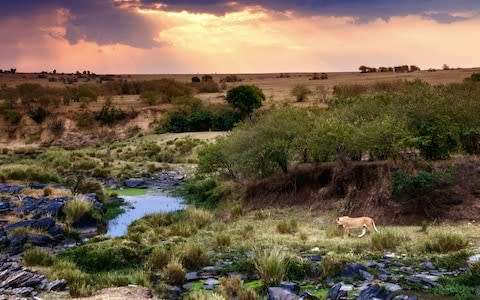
(374, 227)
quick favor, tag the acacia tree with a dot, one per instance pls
(245, 98)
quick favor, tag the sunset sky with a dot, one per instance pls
(245, 36)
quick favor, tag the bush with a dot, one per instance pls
(271, 266)
(205, 193)
(173, 272)
(233, 288)
(384, 240)
(222, 241)
(105, 255)
(446, 242)
(405, 186)
(207, 87)
(194, 257)
(79, 283)
(285, 227)
(245, 98)
(151, 97)
(236, 211)
(300, 92)
(199, 217)
(76, 208)
(28, 173)
(38, 114)
(331, 265)
(38, 257)
(159, 258)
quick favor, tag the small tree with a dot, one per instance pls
(245, 98)
(195, 79)
(300, 92)
(363, 69)
(206, 78)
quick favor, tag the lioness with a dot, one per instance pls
(362, 222)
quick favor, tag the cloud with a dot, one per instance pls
(362, 10)
(100, 21)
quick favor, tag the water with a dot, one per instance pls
(142, 206)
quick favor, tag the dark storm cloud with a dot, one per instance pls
(99, 21)
(364, 10)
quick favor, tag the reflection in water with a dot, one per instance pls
(142, 205)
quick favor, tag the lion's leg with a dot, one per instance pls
(364, 230)
(346, 232)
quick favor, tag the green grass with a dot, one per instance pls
(113, 208)
(129, 191)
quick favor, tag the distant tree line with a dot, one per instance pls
(396, 69)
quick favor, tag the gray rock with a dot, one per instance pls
(210, 283)
(428, 266)
(365, 275)
(290, 286)
(372, 292)
(23, 292)
(424, 278)
(352, 270)
(277, 293)
(336, 292)
(134, 182)
(392, 287)
(191, 276)
(57, 285)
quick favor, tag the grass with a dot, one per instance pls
(76, 208)
(129, 191)
(446, 242)
(38, 257)
(271, 265)
(174, 272)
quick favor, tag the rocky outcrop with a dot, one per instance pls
(17, 280)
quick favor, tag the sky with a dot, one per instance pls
(244, 36)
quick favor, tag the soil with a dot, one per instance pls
(364, 188)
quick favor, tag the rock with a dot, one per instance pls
(4, 206)
(309, 296)
(277, 293)
(85, 221)
(134, 182)
(290, 286)
(336, 292)
(16, 243)
(315, 258)
(352, 270)
(44, 223)
(20, 224)
(57, 285)
(374, 291)
(37, 186)
(10, 189)
(474, 259)
(55, 208)
(390, 256)
(191, 276)
(392, 287)
(39, 240)
(424, 278)
(56, 231)
(174, 290)
(405, 297)
(365, 275)
(346, 288)
(428, 266)
(23, 292)
(210, 283)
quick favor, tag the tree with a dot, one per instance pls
(245, 98)
(300, 92)
(363, 69)
(195, 79)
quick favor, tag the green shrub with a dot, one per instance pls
(199, 217)
(76, 208)
(385, 240)
(331, 265)
(173, 272)
(79, 283)
(28, 173)
(151, 97)
(271, 266)
(245, 98)
(222, 241)
(205, 193)
(452, 261)
(194, 257)
(236, 211)
(405, 185)
(233, 288)
(105, 255)
(445, 242)
(285, 227)
(159, 258)
(300, 92)
(38, 257)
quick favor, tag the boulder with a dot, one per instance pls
(428, 266)
(290, 286)
(37, 186)
(20, 224)
(352, 270)
(85, 221)
(40, 240)
(16, 243)
(336, 292)
(54, 208)
(57, 285)
(191, 276)
(43, 223)
(4, 207)
(374, 291)
(278, 293)
(365, 275)
(56, 231)
(134, 182)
